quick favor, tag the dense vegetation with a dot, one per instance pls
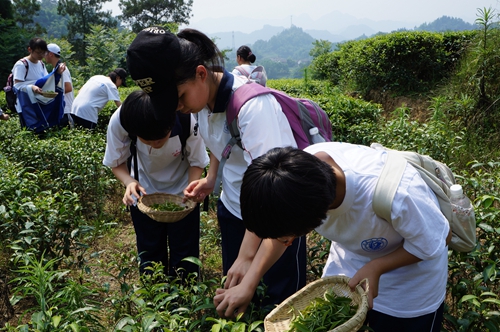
(59, 204)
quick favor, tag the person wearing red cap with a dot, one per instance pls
(186, 72)
(94, 95)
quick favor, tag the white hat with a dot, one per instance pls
(54, 49)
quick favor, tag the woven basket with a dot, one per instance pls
(164, 216)
(279, 319)
(50, 94)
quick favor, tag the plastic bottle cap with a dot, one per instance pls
(313, 131)
(456, 190)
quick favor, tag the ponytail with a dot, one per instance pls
(197, 49)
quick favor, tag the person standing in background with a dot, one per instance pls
(94, 95)
(245, 59)
(53, 56)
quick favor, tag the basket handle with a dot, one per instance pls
(364, 287)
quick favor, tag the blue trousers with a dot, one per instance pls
(283, 279)
(167, 243)
(380, 322)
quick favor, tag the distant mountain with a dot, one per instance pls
(284, 52)
(446, 23)
(334, 27)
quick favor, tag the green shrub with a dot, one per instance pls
(401, 62)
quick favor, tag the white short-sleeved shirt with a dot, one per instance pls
(35, 72)
(93, 96)
(160, 170)
(358, 235)
(263, 126)
(68, 96)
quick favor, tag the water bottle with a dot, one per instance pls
(315, 136)
(461, 205)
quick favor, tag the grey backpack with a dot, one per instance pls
(438, 177)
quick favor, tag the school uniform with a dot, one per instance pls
(262, 126)
(162, 170)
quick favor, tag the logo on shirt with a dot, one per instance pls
(374, 244)
(176, 153)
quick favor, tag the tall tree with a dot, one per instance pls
(82, 15)
(24, 11)
(14, 41)
(6, 10)
(48, 17)
(141, 14)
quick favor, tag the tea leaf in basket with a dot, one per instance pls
(324, 314)
(167, 206)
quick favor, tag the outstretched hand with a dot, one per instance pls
(372, 276)
(132, 190)
(198, 190)
(62, 68)
(229, 303)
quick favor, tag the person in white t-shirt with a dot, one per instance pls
(94, 95)
(185, 72)
(30, 69)
(53, 56)
(328, 187)
(163, 165)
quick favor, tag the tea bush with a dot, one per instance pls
(402, 62)
(56, 197)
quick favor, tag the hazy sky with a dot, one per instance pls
(377, 10)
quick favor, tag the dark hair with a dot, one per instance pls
(286, 192)
(196, 49)
(113, 76)
(37, 43)
(138, 118)
(246, 54)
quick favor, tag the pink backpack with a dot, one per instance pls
(302, 115)
(258, 74)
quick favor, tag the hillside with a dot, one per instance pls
(285, 52)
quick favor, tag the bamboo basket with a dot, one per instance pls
(279, 319)
(50, 94)
(164, 216)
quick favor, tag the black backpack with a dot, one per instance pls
(10, 95)
(184, 120)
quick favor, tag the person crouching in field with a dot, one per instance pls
(328, 187)
(163, 166)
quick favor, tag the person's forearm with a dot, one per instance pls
(396, 259)
(212, 169)
(249, 246)
(267, 254)
(194, 173)
(121, 172)
(68, 87)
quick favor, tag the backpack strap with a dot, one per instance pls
(27, 66)
(185, 120)
(390, 178)
(133, 156)
(387, 184)
(239, 97)
(242, 71)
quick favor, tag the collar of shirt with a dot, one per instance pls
(224, 92)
